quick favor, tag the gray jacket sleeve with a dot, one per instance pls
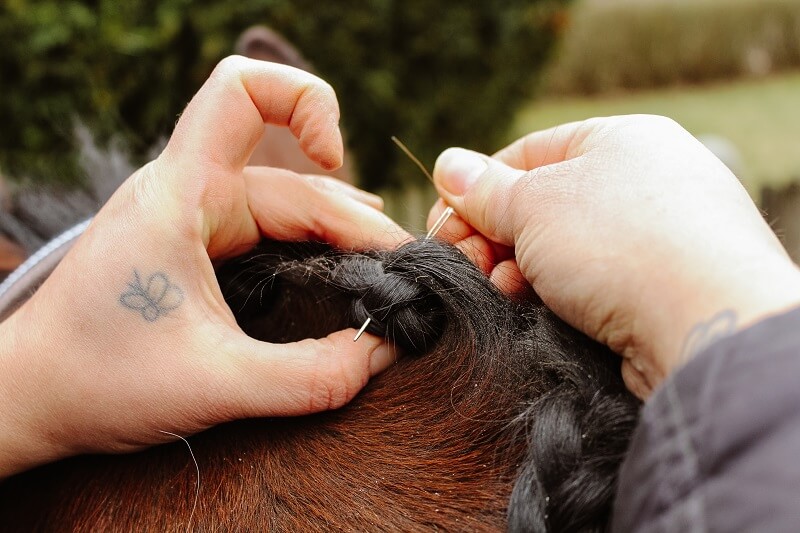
(22, 283)
(718, 445)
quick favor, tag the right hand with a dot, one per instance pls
(628, 228)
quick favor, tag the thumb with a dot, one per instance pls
(302, 377)
(490, 196)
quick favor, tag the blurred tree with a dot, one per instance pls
(433, 73)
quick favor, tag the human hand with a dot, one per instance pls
(131, 337)
(628, 228)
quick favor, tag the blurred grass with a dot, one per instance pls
(635, 44)
(762, 118)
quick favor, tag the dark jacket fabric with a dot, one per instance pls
(718, 445)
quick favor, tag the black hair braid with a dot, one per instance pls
(398, 290)
(578, 418)
(578, 433)
(399, 303)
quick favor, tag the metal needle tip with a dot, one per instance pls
(363, 328)
(439, 222)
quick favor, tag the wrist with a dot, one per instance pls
(719, 306)
(24, 442)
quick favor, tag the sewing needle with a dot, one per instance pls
(363, 328)
(440, 222)
(433, 231)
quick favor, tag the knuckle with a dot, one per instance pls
(230, 64)
(320, 183)
(228, 69)
(331, 395)
(623, 129)
(318, 90)
(638, 123)
(658, 120)
(335, 380)
(659, 123)
(324, 88)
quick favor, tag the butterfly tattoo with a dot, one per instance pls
(153, 299)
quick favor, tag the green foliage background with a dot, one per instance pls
(434, 73)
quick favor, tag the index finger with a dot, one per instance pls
(225, 120)
(308, 209)
(544, 147)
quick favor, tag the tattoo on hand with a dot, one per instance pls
(704, 334)
(154, 299)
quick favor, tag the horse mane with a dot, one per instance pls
(500, 416)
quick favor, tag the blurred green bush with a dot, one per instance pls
(629, 44)
(433, 73)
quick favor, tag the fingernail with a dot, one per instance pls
(381, 358)
(459, 170)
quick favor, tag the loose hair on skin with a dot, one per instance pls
(499, 416)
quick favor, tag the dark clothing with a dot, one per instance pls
(718, 445)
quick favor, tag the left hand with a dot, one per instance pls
(131, 336)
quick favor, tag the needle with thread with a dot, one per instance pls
(448, 211)
(434, 229)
